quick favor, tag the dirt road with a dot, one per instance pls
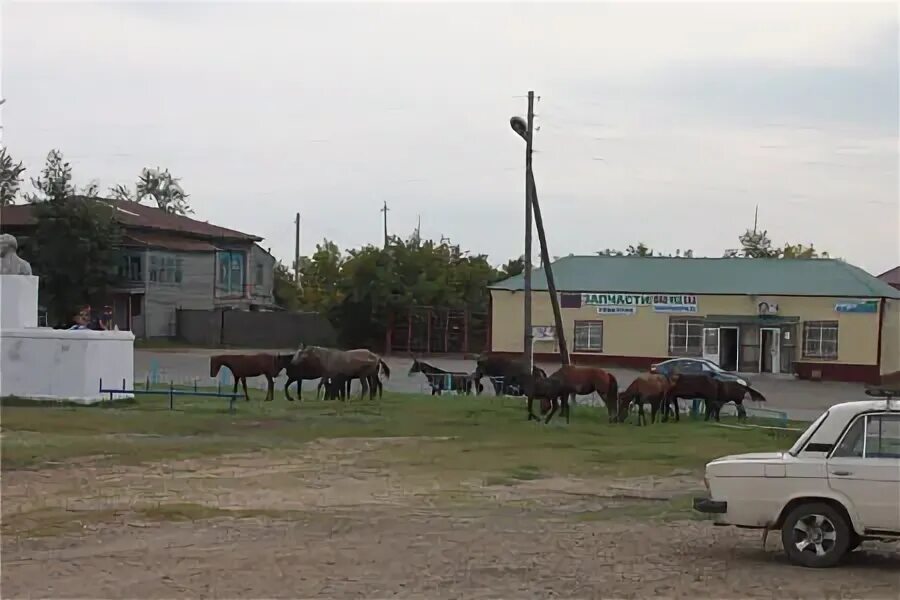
(332, 522)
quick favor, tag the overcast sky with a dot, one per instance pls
(662, 123)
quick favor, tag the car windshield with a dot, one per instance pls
(798, 445)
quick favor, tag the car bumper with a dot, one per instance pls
(708, 506)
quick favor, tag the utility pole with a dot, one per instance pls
(385, 211)
(755, 218)
(529, 333)
(297, 250)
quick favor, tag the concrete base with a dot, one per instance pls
(18, 301)
(58, 364)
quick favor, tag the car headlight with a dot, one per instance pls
(742, 382)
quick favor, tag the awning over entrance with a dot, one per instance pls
(761, 320)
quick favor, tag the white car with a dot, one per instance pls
(836, 487)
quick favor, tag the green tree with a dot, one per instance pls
(10, 178)
(641, 249)
(158, 185)
(756, 244)
(513, 267)
(285, 288)
(73, 247)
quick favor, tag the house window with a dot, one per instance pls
(685, 336)
(131, 268)
(259, 274)
(166, 268)
(230, 272)
(589, 336)
(820, 339)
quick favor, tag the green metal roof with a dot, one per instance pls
(738, 276)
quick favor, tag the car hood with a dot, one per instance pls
(751, 457)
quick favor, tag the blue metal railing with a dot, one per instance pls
(172, 392)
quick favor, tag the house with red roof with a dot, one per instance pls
(169, 262)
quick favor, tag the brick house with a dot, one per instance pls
(168, 261)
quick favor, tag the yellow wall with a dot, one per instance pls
(890, 337)
(645, 334)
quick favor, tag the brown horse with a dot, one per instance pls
(298, 373)
(580, 381)
(649, 388)
(339, 366)
(243, 366)
(511, 369)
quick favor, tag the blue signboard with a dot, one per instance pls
(857, 306)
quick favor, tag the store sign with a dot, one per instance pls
(857, 306)
(616, 310)
(666, 303)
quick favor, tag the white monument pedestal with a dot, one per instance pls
(18, 301)
(57, 364)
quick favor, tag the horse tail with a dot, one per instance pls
(613, 387)
(384, 369)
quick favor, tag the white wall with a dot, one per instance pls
(18, 301)
(65, 364)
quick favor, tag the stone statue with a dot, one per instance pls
(10, 263)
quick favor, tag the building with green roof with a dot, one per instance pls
(816, 318)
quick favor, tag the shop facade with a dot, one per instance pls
(852, 334)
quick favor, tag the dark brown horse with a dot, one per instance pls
(243, 366)
(512, 371)
(297, 373)
(580, 381)
(714, 392)
(647, 388)
(440, 380)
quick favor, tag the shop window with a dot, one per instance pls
(588, 336)
(685, 336)
(820, 339)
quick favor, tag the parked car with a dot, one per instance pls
(837, 486)
(696, 365)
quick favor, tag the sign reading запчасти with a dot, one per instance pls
(628, 303)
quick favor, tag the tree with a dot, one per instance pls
(756, 244)
(285, 288)
(10, 178)
(158, 185)
(73, 245)
(513, 267)
(641, 249)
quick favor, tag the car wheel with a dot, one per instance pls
(815, 535)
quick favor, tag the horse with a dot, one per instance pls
(300, 372)
(243, 366)
(579, 381)
(552, 393)
(342, 365)
(649, 388)
(437, 378)
(513, 370)
(714, 392)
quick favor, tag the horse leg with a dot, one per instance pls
(287, 393)
(270, 388)
(530, 406)
(642, 418)
(741, 411)
(565, 403)
(244, 383)
(237, 382)
(554, 404)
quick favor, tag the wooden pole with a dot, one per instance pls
(528, 334)
(548, 272)
(297, 250)
(385, 211)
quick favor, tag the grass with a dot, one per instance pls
(488, 436)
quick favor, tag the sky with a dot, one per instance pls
(663, 123)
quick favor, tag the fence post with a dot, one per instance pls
(171, 396)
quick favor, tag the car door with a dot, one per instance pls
(865, 467)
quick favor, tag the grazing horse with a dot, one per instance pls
(437, 378)
(513, 370)
(243, 366)
(714, 392)
(339, 366)
(649, 388)
(580, 381)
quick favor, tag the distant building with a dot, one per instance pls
(168, 262)
(892, 277)
(816, 318)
